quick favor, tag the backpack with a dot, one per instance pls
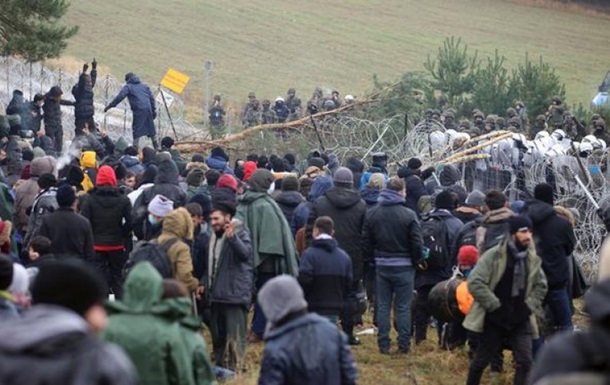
(152, 252)
(468, 235)
(436, 239)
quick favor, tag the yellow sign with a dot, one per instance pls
(175, 81)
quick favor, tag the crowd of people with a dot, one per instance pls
(176, 242)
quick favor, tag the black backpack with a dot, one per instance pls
(468, 235)
(436, 239)
(152, 252)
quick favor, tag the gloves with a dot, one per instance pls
(94, 64)
(106, 109)
(85, 67)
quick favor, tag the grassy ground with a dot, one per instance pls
(270, 45)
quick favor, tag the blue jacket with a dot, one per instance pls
(139, 95)
(307, 350)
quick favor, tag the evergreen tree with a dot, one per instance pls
(31, 29)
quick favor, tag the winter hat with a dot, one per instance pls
(65, 195)
(25, 172)
(27, 155)
(227, 181)
(42, 165)
(518, 223)
(343, 177)
(21, 280)
(131, 151)
(205, 202)
(198, 158)
(445, 200)
(249, 168)
(219, 152)
(280, 297)
(195, 177)
(544, 192)
(475, 199)
(6, 272)
(414, 164)
(212, 177)
(277, 164)
(317, 162)
(167, 143)
(55, 91)
(262, 161)
(517, 206)
(160, 206)
(290, 183)
(261, 180)
(47, 180)
(38, 152)
(226, 207)
(468, 255)
(148, 155)
(290, 158)
(377, 181)
(121, 145)
(162, 157)
(71, 284)
(106, 177)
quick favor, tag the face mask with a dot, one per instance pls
(152, 220)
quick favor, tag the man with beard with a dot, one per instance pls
(508, 286)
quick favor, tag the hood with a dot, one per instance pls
(354, 165)
(250, 196)
(450, 175)
(319, 187)
(216, 163)
(405, 172)
(249, 168)
(370, 195)
(130, 160)
(325, 244)
(565, 213)
(390, 198)
(142, 290)
(179, 224)
(280, 297)
(88, 159)
(597, 302)
(173, 308)
(106, 177)
(167, 172)
(343, 198)
(133, 79)
(539, 211)
(39, 327)
(499, 215)
(289, 198)
(42, 165)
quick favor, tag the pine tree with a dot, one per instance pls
(31, 29)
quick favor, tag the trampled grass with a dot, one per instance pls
(268, 46)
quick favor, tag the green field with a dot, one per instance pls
(270, 45)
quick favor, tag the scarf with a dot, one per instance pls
(520, 269)
(214, 251)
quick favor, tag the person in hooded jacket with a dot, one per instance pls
(143, 107)
(301, 214)
(147, 328)
(380, 162)
(494, 223)
(18, 106)
(290, 197)
(52, 116)
(83, 97)
(301, 347)
(273, 246)
(219, 161)
(555, 242)
(44, 204)
(356, 167)
(131, 162)
(343, 204)
(109, 212)
(581, 358)
(228, 277)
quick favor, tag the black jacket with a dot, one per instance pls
(555, 241)
(52, 114)
(414, 186)
(109, 213)
(391, 230)
(83, 96)
(70, 234)
(347, 210)
(325, 275)
(234, 274)
(288, 202)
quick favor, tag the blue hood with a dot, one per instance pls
(370, 195)
(216, 163)
(390, 198)
(321, 185)
(129, 161)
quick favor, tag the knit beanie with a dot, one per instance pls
(6, 272)
(227, 181)
(518, 223)
(106, 177)
(38, 152)
(377, 181)
(445, 200)
(280, 297)
(219, 152)
(225, 207)
(195, 177)
(290, 158)
(160, 206)
(261, 180)
(167, 143)
(65, 195)
(27, 155)
(70, 284)
(131, 151)
(198, 158)
(544, 192)
(343, 177)
(249, 168)
(290, 183)
(475, 199)
(468, 255)
(414, 164)
(317, 162)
